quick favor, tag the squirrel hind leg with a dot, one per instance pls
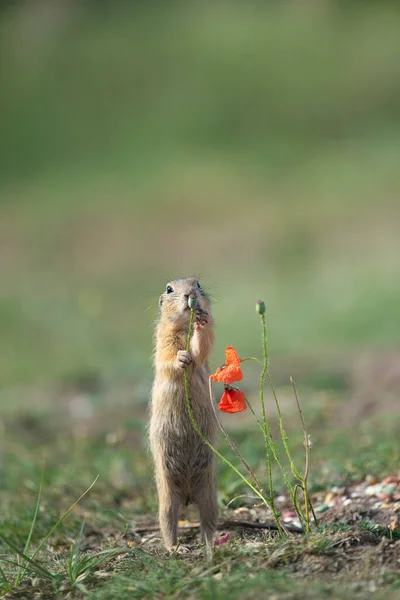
(206, 500)
(168, 518)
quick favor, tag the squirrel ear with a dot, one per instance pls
(161, 300)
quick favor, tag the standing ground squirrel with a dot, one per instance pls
(184, 465)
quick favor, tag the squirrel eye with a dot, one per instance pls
(169, 289)
(198, 285)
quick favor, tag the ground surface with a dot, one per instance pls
(355, 490)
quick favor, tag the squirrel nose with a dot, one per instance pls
(192, 294)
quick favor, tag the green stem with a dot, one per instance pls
(232, 444)
(283, 432)
(192, 419)
(314, 515)
(276, 456)
(251, 358)
(271, 440)
(254, 415)
(273, 448)
(204, 439)
(190, 332)
(267, 430)
(265, 373)
(307, 500)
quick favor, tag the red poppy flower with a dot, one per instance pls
(232, 401)
(231, 371)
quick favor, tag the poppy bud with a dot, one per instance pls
(192, 302)
(260, 307)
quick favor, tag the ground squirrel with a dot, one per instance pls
(184, 465)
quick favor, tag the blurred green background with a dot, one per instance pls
(255, 144)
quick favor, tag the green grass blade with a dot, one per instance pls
(88, 565)
(10, 561)
(22, 570)
(74, 563)
(64, 516)
(35, 565)
(101, 557)
(82, 588)
(3, 576)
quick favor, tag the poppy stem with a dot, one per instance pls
(307, 500)
(190, 331)
(251, 358)
(304, 519)
(232, 444)
(267, 430)
(254, 415)
(266, 373)
(200, 434)
(274, 450)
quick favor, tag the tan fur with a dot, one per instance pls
(184, 465)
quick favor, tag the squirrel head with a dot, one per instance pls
(174, 301)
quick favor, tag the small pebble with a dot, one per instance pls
(289, 516)
(391, 479)
(371, 479)
(394, 525)
(329, 499)
(242, 510)
(296, 523)
(254, 546)
(385, 497)
(372, 490)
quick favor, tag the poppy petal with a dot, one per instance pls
(230, 372)
(231, 355)
(232, 401)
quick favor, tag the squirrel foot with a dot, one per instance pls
(201, 318)
(184, 358)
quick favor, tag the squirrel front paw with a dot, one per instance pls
(201, 318)
(184, 358)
